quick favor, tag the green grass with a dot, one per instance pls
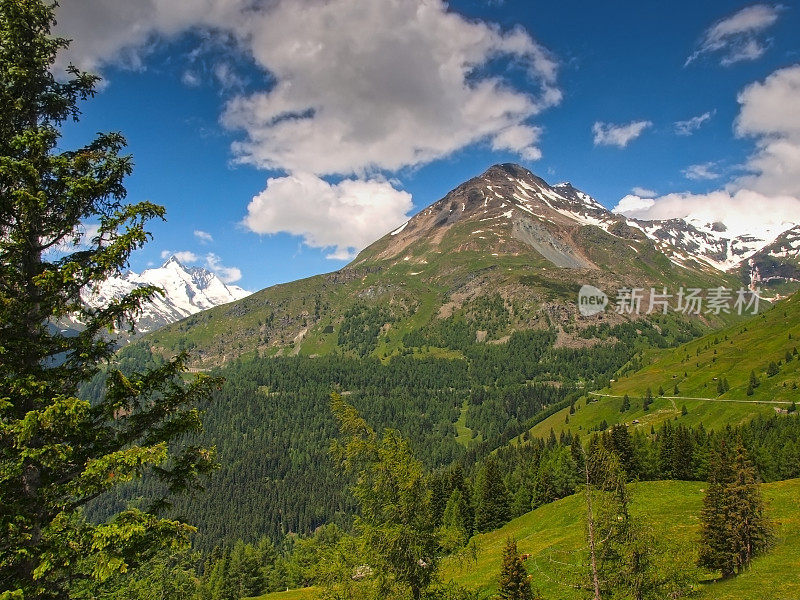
(695, 368)
(299, 594)
(712, 414)
(730, 353)
(464, 433)
(554, 534)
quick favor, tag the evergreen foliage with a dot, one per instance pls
(59, 452)
(734, 528)
(394, 522)
(492, 501)
(513, 582)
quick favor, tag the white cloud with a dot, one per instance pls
(701, 172)
(203, 236)
(352, 85)
(191, 79)
(644, 192)
(184, 256)
(744, 211)
(689, 126)
(608, 134)
(519, 136)
(79, 240)
(768, 196)
(633, 204)
(346, 216)
(736, 37)
(227, 77)
(770, 112)
(226, 274)
(405, 94)
(123, 32)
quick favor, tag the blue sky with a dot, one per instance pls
(343, 117)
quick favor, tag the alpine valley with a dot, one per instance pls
(515, 394)
(460, 330)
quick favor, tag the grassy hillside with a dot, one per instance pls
(554, 534)
(696, 368)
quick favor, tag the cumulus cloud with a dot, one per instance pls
(203, 236)
(519, 136)
(351, 87)
(633, 204)
(344, 217)
(701, 172)
(644, 192)
(226, 274)
(608, 134)
(744, 211)
(184, 256)
(739, 36)
(406, 94)
(336, 100)
(689, 126)
(122, 32)
(770, 113)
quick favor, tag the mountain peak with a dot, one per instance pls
(185, 291)
(173, 260)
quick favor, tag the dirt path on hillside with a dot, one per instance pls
(673, 398)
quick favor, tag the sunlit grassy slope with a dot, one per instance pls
(554, 537)
(695, 369)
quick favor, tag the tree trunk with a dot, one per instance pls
(590, 521)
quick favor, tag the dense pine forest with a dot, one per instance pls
(271, 427)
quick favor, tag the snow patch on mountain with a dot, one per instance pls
(186, 291)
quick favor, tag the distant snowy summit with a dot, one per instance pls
(186, 291)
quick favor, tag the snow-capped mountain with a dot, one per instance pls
(511, 197)
(714, 243)
(778, 261)
(187, 290)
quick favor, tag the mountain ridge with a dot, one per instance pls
(681, 240)
(186, 291)
(504, 234)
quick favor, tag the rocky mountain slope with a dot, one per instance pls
(504, 251)
(776, 266)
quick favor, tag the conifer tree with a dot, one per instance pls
(754, 382)
(395, 522)
(733, 526)
(454, 532)
(772, 369)
(748, 528)
(648, 400)
(492, 500)
(59, 452)
(513, 583)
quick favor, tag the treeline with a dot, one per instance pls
(435, 514)
(540, 471)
